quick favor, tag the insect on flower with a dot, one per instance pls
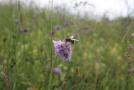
(71, 40)
(64, 48)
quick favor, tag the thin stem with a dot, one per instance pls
(51, 62)
(125, 35)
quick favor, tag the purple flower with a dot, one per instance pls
(57, 70)
(24, 30)
(63, 49)
(17, 21)
(57, 28)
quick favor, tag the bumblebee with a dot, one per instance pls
(71, 39)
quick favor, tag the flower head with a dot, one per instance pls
(24, 30)
(17, 21)
(57, 70)
(63, 49)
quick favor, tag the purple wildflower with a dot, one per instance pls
(63, 49)
(17, 21)
(24, 30)
(57, 28)
(131, 47)
(57, 70)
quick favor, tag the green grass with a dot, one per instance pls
(100, 59)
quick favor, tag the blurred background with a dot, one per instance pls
(92, 8)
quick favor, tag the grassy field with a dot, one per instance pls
(102, 59)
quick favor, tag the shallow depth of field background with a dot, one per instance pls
(102, 59)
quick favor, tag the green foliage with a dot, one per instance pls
(99, 62)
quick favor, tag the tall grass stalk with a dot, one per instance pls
(51, 60)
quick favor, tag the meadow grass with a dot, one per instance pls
(101, 59)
